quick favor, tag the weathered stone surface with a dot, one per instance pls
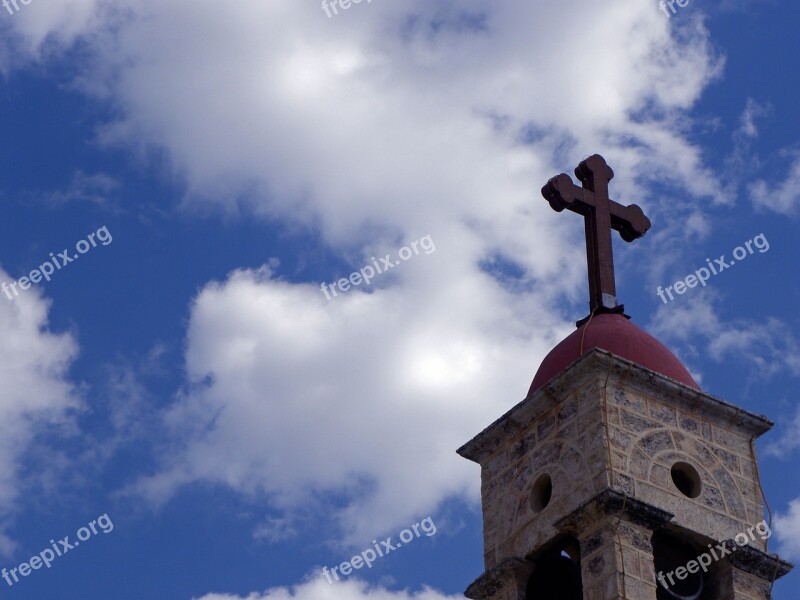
(620, 439)
(730, 460)
(495, 464)
(659, 475)
(689, 424)
(594, 542)
(568, 410)
(749, 489)
(656, 442)
(568, 430)
(596, 564)
(700, 451)
(664, 415)
(630, 559)
(712, 498)
(521, 478)
(506, 581)
(747, 586)
(639, 464)
(522, 446)
(546, 427)
(622, 397)
(738, 443)
(636, 423)
(547, 455)
(625, 484)
(759, 564)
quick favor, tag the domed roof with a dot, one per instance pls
(616, 334)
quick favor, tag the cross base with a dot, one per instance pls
(602, 310)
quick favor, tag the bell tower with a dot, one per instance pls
(617, 478)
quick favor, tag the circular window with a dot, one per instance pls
(542, 492)
(686, 479)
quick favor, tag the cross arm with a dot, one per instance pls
(630, 221)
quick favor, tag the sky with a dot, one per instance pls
(191, 387)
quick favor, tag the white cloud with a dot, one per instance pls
(319, 589)
(376, 116)
(365, 395)
(789, 440)
(747, 120)
(742, 162)
(96, 188)
(40, 29)
(787, 531)
(34, 366)
(781, 197)
(767, 347)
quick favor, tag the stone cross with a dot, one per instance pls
(600, 215)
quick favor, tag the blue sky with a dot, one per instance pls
(190, 380)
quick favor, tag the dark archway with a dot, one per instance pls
(674, 581)
(556, 576)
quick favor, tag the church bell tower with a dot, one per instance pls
(617, 477)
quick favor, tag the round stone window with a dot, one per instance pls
(541, 493)
(686, 479)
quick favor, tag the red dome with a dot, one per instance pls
(616, 334)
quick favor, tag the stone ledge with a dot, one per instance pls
(768, 567)
(584, 370)
(610, 502)
(511, 571)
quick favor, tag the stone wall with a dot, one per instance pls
(650, 433)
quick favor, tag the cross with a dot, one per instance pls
(600, 216)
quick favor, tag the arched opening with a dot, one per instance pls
(678, 575)
(557, 574)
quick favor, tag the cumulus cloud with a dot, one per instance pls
(376, 117)
(364, 395)
(768, 347)
(781, 197)
(787, 531)
(37, 394)
(789, 440)
(349, 590)
(40, 31)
